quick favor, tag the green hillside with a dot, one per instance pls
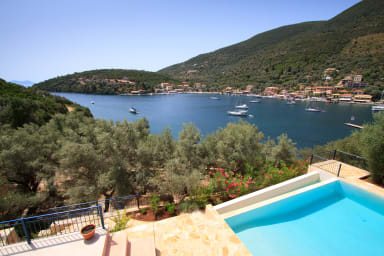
(350, 42)
(20, 105)
(105, 81)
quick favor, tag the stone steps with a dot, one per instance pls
(118, 244)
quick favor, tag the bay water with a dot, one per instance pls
(272, 116)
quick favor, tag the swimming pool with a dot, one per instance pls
(335, 219)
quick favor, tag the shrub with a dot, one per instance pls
(188, 206)
(201, 196)
(275, 174)
(170, 208)
(143, 211)
(121, 221)
(154, 203)
(229, 184)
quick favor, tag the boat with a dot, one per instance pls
(214, 98)
(238, 113)
(291, 101)
(378, 107)
(244, 106)
(92, 102)
(133, 110)
(254, 101)
(312, 109)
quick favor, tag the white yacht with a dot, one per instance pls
(244, 106)
(312, 109)
(378, 107)
(238, 113)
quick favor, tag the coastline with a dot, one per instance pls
(277, 97)
(314, 99)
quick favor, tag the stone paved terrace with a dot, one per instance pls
(61, 245)
(197, 233)
(347, 171)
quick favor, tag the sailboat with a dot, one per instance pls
(238, 113)
(379, 107)
(241, 110)
(243, 106)
(311, 109)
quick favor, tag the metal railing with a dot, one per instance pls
(330, 160)
(57, 223)
(351, 159)
(110, 206)
(328, 165)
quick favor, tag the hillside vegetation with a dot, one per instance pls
(105, 81)
(20, 105)
(350, 42)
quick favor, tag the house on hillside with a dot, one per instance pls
(353, 81)
(271, 90)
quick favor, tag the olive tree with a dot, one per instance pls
(102, 159)
(373, 147)
(285, 150)
(237, 144)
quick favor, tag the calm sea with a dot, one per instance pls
(272, 116)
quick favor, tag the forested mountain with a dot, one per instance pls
(352, 42)
(106, 81)
(20, 105)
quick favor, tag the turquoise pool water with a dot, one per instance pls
(335, 219)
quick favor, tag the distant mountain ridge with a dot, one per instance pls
(350, 42)
(25, 83)
(106, 81)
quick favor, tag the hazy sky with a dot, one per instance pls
(41, 39)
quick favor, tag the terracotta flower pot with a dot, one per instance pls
(88, 231)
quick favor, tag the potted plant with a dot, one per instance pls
(88, 231)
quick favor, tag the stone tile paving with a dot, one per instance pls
(198, 233)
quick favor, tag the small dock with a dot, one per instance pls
(354, 125)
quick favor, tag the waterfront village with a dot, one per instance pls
(350, 89)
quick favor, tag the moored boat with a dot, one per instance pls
(133, 110)
(238, 113)
(314, 109)
(309, 108)
(244, 106)
(377, 108)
